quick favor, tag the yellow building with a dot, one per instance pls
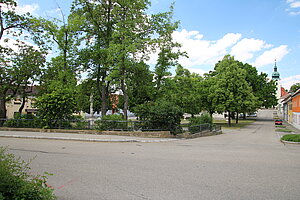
(13, 106)
(290, 111)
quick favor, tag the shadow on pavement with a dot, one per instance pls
(263, 119)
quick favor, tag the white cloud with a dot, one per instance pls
(295, 13)
(197, 71)
(202, 51)
(293, 7)
(54, 12)
(295, 4)
(204, 54)
(27, 8)
(12, 43)
(268, 57)
(244, 49)
(289, 81)
(22, 9)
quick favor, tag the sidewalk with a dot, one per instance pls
(80, 137)
(288, 126)
(291, 127)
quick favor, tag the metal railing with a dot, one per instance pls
(103, 125)
(194, 129)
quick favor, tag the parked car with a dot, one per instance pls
(278, 122)
(252, 114)
(241, 115)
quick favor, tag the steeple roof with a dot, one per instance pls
(275, 74)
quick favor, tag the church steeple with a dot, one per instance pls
(275, 74)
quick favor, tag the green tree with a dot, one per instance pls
(140, 85)
(57, 104)
(168, 50)
(19, 70)
(295, 87)
(13, 24)
(64, 34)
(207, 97)
(86, 91)
(263, 89)
(266, 92)
(131, 40)
(232, 92)
(27, 66)
(161, 115)
(184, 91)
(5, 81)
(95, 56)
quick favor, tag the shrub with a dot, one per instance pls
(162, 115)
(80, 125)
(203, 119)
(56, 107)
(280, 126)
(24, 121)
(283, 130)
(111, 122)
(17, 183)
(291, 137)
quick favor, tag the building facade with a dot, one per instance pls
(13, 106)
(286, 111)
(296, 109)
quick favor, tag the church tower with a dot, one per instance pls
(275, 74)
(276, 77)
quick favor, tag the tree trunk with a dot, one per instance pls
(126, 102)
(2, 111)
(22, 105)
(211, 114)
(102, 90)
(92, 105)
(237, 118)
(103, 99)
(229, 118)
(126, 98)
(65, 50)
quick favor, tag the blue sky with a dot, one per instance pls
(254, 31)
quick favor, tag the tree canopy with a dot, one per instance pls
(295, 87)
(110, 42)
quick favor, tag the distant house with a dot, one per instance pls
(13, 106)
(282, 107)
(287, 107)
(290, 111)
(296, 108)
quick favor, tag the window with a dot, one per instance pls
(17, 101)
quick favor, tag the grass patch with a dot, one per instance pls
(280, 126)
(291, 137)
(284, 130)
(184, 121)
(242, 123)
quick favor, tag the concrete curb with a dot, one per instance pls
(148, 134)
(289, 142)
(88, 139)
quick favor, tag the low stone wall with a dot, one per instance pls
(145, 134)
(201, 134)
(156, 134)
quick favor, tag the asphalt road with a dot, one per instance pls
(250, 163)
